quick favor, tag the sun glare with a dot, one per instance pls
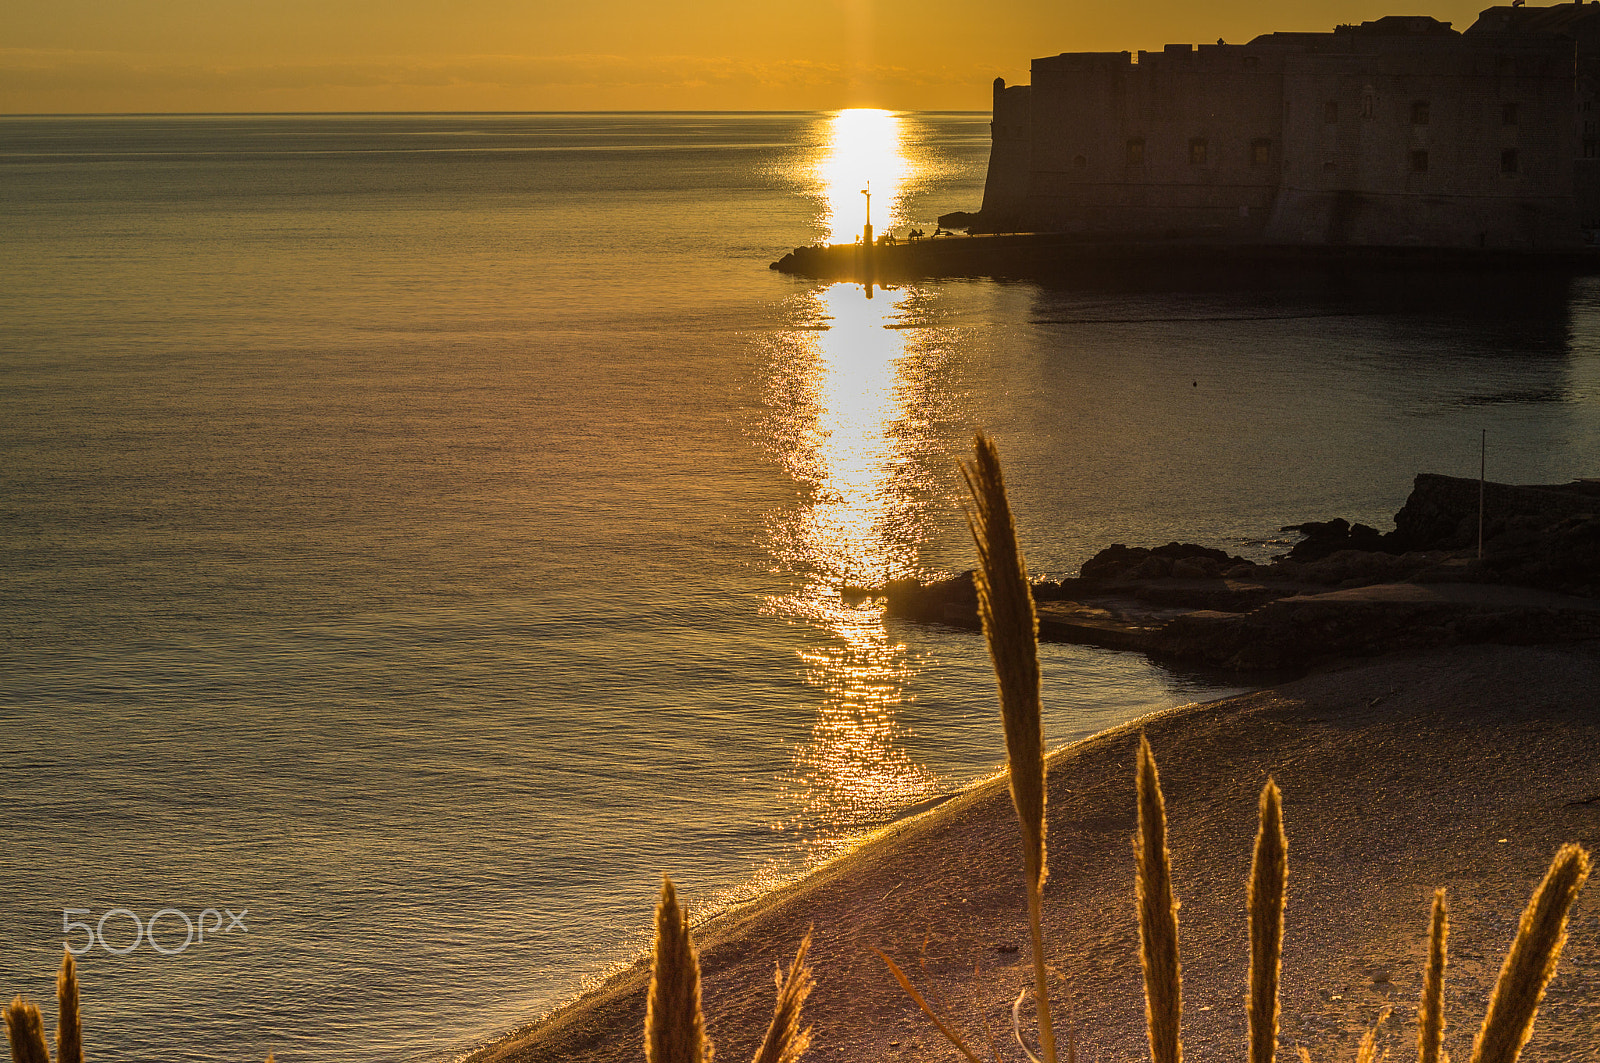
(866, 149)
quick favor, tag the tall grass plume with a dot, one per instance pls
(69, 1026)
(1005, 605)
(786, 1042)
(1430, 1013)
(675, 1029)
(1158, 917)
(1531, 962)
(1269, 872)
(25, 1028)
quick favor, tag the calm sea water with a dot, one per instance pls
(422, 531)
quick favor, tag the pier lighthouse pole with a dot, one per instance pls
(868, 252)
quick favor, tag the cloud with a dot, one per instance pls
(39, 81)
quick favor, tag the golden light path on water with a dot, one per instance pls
(848, 400)
(866, 148)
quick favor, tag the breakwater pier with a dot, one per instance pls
(1070, 254)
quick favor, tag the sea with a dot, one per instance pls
(418, 533)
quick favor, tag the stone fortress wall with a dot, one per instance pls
(1398, 132)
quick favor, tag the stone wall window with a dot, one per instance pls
(1197, 151)
(1261, 152)
(1135, 154)
(1369, 103)
(1330, 112)
(1508, 161)
(1079, 162)
(1252, 62)
(1591, 148)
(1419, 112)
(1419, 162)
(1508, 114)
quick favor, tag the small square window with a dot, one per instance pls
(1508, 161)
(1419, 112)
(1197, 151)
(1252, 62)
(1508, 114)
(1329, 166)
(1330, 112)
(1136, 152)
(1260, 152)
(1419, 162)
(1079, 162)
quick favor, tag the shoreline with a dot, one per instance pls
(1399, 775)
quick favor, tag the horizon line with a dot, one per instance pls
(309, 114)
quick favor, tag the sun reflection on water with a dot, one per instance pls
(842, 399)
(853, 771)
(866, 147)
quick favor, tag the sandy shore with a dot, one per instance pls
(1465, 768)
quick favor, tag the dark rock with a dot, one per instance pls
(946, 601)
(1298, 632)
(1323, 538)
(1120, 562)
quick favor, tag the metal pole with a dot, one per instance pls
(1483, 465)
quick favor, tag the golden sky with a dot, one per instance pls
(433, 55)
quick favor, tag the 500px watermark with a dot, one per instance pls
(194, 930)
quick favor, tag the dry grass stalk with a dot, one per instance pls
(674, 1028)
(1531, 963)
(786, 1042)
(1158, 917)
(1005, 605)
(988, 1033)
(69, 1026)
(1269, 872)
(25, 1027)
(1430, 1014)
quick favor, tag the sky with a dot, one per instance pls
(118, 56)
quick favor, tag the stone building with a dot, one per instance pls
(1399, 132)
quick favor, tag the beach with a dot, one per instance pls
(1464, 768)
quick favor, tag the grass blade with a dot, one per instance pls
(1158, 917)
(1010, 626)
(1430, 1014)
(977, 1006)
(1531, 962)
(905, 983)
(674, 1026)
(1269, 872)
